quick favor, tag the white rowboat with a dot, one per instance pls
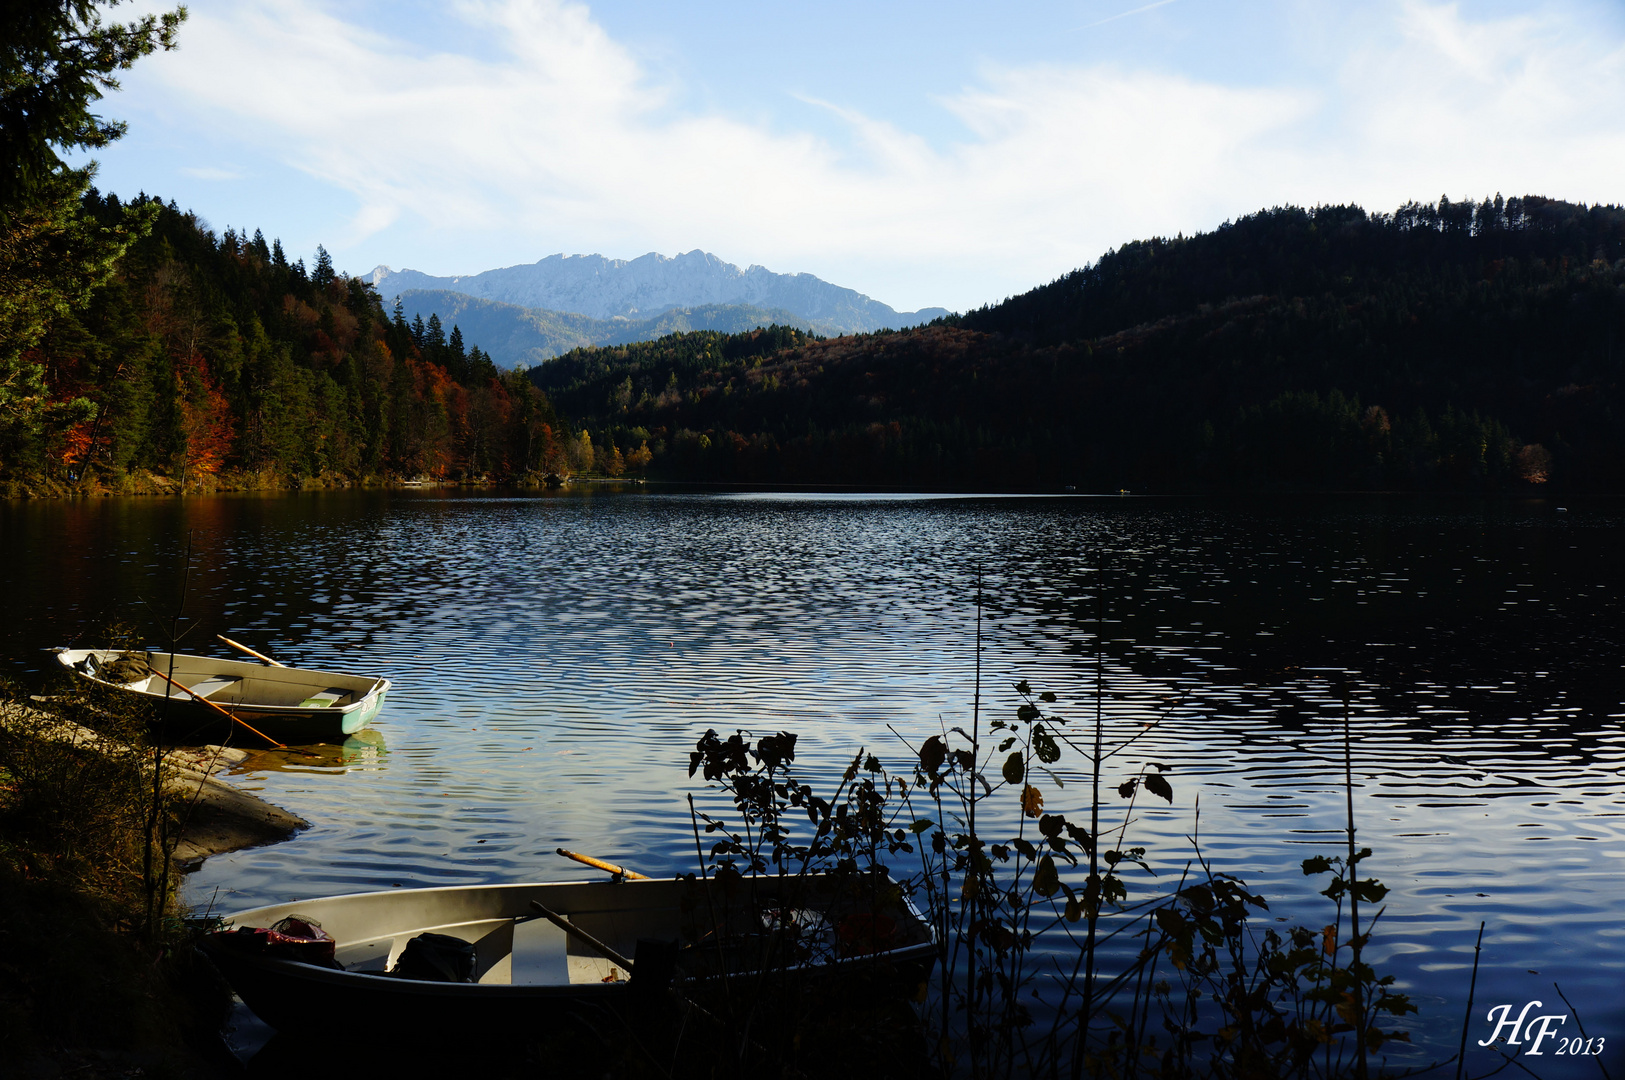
(287, 704)
(528, 971)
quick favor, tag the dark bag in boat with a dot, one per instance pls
(293, 938)
(436, 958)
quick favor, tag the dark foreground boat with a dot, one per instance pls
(208, 697)
(398, 957)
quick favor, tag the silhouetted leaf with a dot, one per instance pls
(1046, 882)
(1370, 890)
(1044, 746)
(932, 755)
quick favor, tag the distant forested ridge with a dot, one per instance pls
(214, 361)
(1452, 346)
(524, 337)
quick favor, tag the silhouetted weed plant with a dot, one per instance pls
(1048, 964)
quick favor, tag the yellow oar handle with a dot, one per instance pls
(620, 871)
(250, 652)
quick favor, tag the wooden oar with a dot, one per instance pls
(625, 965)
(199, 697)
(587, 939)
(250, 652)
(618, 871)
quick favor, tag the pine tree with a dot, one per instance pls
(56, 59)
(434, 341)
(323, 274)
(456, 360)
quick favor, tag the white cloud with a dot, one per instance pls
(1447, 105)
(567, 143)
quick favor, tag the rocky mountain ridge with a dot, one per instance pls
(640, 289)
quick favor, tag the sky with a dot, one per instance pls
(927, 154)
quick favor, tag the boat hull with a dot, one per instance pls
(272, 700)
(531, 976)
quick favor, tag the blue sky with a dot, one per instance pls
(926, 154)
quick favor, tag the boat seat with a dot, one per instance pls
(333, 695)
(213, 685)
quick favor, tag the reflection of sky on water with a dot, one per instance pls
(555, 658)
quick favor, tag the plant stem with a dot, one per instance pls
(1095, 893)
(1354, 897)
(974, 874)
(1467, 1018)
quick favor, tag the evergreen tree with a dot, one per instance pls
(56, 60)
(323, 273)
(434, 341)
(480, 367)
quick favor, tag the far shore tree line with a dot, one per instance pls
(1455, 346)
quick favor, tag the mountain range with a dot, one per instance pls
(524, 314)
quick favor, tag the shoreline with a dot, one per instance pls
(222, 817)
(217, 818)
(144, 484)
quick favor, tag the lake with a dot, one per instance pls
(555, 657)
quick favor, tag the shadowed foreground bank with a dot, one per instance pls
(97, 973)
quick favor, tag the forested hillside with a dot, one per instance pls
(1455, 346)
(212, 361)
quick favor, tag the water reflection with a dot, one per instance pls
(362, 751)
(555, 657)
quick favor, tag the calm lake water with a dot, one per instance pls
(556, 656)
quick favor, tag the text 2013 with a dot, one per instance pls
(1539, 1030)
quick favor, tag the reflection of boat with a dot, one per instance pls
(291, 705)
(362, 752)
(523, 970)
